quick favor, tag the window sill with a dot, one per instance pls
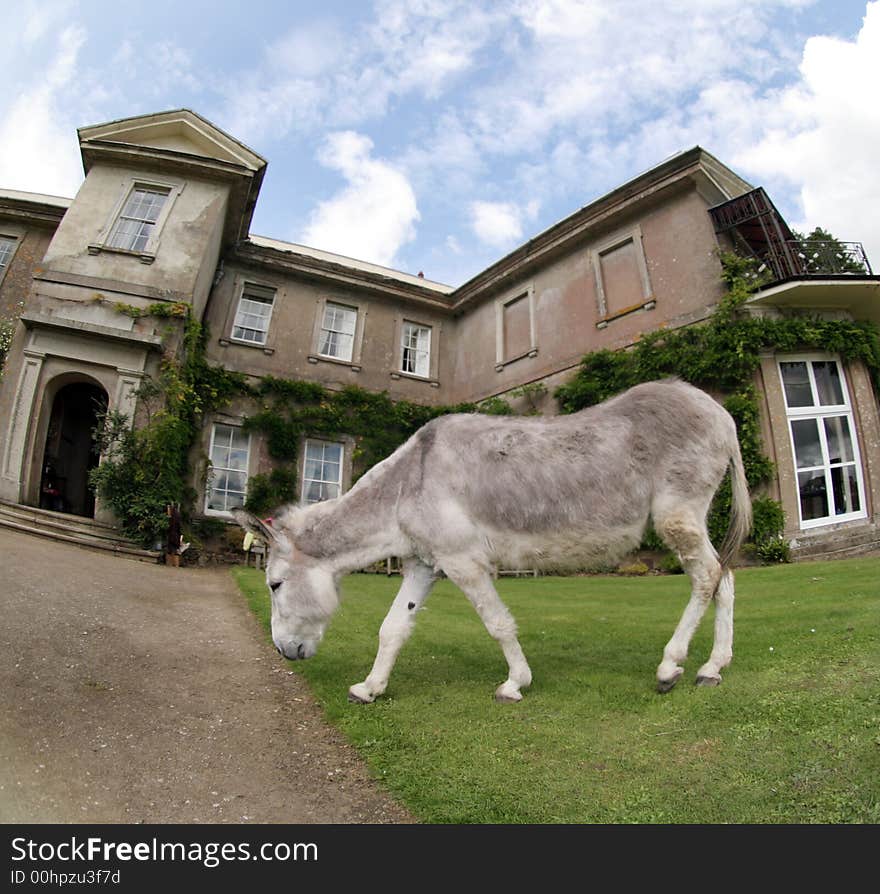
(828, 521)
(145, 257)
(532, 352)
(650, 304)
(226, 342)
(320, 358)
(222, 514)
(400, 374)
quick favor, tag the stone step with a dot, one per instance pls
(61, 521)
(72, 529)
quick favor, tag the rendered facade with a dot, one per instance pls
(164, 215)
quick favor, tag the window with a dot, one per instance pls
(230, 453)
(138, 218)
(829, 475)
(253, 314)
(337, 331)
(415, 349)
(7, 249)
(515, 328)
(322, 473)
(621, 272)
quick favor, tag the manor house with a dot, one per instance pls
(164, 215)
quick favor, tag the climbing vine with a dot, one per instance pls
(145, 468)
(723, 355)
(290, 410)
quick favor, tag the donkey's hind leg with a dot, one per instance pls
(685, 531)
(722, 650)
(418, 578)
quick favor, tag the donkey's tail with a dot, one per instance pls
(740, 510)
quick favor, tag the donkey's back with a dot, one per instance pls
(576, 490)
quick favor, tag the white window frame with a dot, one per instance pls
(352, 335)
(306, 481)
(224, 513)
(406, 330)
(14, 240)
(148, 254)
(820, 412)
(262, 295)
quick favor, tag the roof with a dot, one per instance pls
(352, 263)
(36, 197)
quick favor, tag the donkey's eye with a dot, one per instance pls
(276, 585)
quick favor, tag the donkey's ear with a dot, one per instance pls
(255, 525)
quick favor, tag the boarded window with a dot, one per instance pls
(621, 281)
(517, 328)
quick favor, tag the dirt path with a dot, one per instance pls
(138, 693)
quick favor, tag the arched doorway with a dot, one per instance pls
(71, 452)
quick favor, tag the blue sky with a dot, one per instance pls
(436, 135)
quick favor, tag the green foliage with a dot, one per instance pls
(145, 469)
(723, 355)
(268, 491)
(163, 309)
(823, 253)
(291, 410)
(7, 331)
(671, 564)
(768, 521)
(532, 394)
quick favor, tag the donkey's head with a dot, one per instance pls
(303, 589)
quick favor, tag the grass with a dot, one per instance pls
(791, 736)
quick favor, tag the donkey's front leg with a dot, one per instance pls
(418, 579)
(476, 583)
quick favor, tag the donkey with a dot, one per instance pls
(469, 492)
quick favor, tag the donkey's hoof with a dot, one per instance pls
(666, 685)
(505, 695)
(360, 695)
(714, 680)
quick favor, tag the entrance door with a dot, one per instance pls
(71, 452)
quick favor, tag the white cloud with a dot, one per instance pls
(374, 215)
(498, 224)
(38, 150)
(823, 136)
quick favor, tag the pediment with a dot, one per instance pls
(179, 131)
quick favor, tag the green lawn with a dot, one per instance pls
(791, 736)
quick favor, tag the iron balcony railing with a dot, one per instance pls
(758, 229)
(818, 258)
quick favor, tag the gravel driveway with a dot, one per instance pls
(133, 693)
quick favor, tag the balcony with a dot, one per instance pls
(813, 275)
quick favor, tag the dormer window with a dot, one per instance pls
(138, 219)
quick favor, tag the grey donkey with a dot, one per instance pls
(468, 493)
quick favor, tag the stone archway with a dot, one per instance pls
(70, 451)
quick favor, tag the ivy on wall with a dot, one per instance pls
(723, 355)
(145, 468)
(290, 410)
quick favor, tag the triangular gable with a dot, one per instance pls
(180, 130)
